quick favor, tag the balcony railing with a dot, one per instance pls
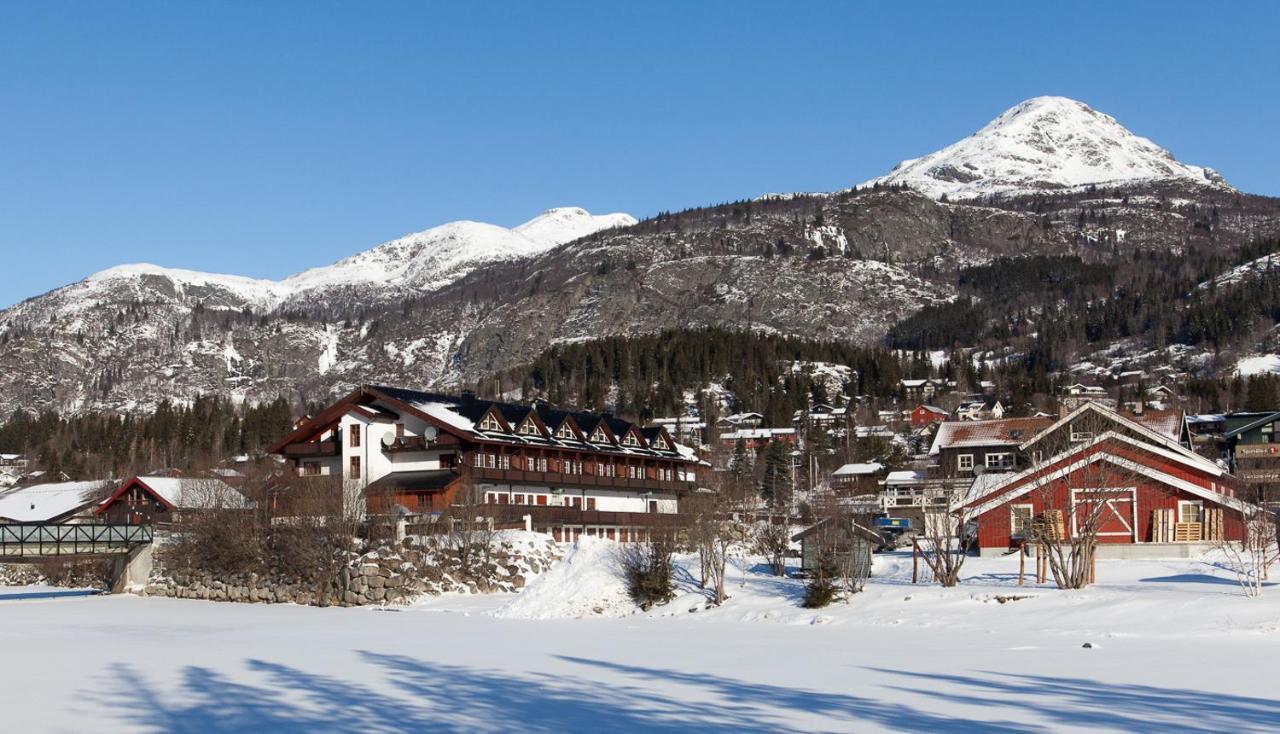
(312, 448)
(579, 480)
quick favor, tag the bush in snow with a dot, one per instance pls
(646, 568)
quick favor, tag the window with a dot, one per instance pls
(311, 469)
(490, 423)
(635, 472)
(1020, 518)
(355, 467)
(517, 499)
(504, 461)
(477, 460)
(999, 461)
(964, 462)
(491, 461)
(529, 428)
(591, 503)
(1190, 511)
(353, 438)
(565, 432)
(599, 437)
(542, 463)
(1080, 434)
(653, 505)
(630, 439)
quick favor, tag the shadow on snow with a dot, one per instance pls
(421, 695)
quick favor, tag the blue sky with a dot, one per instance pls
(263, 138)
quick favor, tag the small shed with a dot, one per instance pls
(852, 543)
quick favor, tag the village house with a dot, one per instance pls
(967, 448)
(921, 390)
(1250, 443)
(758, 438)
(923, 415)
(1077, 394)
(855, 479)
(164, 499)
(979, 408)
(740, 420)
(1132, 478)
(569, 473)
(687, 430)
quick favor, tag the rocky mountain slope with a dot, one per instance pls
(460, 301)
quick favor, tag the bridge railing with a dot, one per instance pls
(43, 540)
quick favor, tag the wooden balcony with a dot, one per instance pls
(584, 481)
(418, 443)
(545, 517)
(311, 449)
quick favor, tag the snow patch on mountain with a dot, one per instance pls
(1044, 143)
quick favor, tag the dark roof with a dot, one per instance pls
(416, 481)
(473, 409)
(850, 527)
(1259, 420)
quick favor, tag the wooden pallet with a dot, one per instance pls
(1188, 532)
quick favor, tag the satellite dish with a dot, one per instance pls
(389, 439)
(430, 433)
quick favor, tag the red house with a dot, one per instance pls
(925, 415)
(1098, 468)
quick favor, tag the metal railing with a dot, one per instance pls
(45, 540)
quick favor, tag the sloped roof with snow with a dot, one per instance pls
(1003, 432)
(191, 493)
(864, 469)
(48, 502)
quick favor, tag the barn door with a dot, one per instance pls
(1113, 511)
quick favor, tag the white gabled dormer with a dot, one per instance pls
(529, 427)
(490, 423)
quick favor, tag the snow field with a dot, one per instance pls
(1175, 647)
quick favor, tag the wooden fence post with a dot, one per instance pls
(915, 560)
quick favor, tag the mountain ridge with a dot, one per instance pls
(844, 266)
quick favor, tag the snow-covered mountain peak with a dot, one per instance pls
(438, 256)
(565, 224)
(1044, 143)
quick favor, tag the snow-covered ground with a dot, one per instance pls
(1175, 647)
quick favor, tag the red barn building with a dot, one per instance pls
(1134, 485)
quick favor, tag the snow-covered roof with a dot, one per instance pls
(192, 493)
(968, 434)
(873, 467)
(903, 476)
(48, 502)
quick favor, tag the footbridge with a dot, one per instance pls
(129, 545)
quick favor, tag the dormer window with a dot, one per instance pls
(599, 437)
(490, 423)
(565, 432)
(630, 440)
(529, 428)
(659, 443)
